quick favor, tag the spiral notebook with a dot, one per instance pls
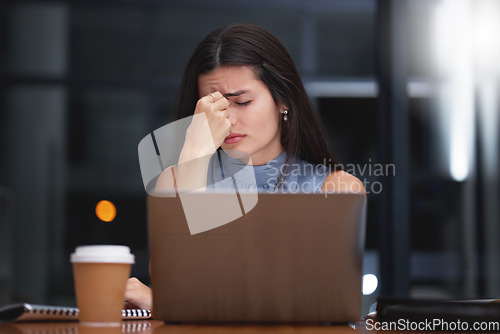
(32, 312)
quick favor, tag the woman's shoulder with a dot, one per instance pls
(340, 181)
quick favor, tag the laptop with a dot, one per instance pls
(289, 258)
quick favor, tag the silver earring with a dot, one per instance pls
(285, 117)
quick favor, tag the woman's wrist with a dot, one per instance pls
(196, 151)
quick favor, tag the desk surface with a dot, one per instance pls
(158, 327)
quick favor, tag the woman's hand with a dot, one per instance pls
(138, 295)
(209, 127)
(200, 139)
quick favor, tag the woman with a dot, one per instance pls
(243, 84)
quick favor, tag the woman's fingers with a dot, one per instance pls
(212, 103)
(215, 107)
(222, 105)
(216, 96)
(138, 294)
(217, 102)
(213, 98)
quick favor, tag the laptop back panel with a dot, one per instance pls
(293, 258)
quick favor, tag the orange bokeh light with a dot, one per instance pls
(105, 211)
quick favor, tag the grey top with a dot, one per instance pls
(300, 177)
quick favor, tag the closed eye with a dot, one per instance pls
(243, 103)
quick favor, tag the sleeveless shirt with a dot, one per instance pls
(225, 172)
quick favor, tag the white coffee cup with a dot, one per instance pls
(100, 274)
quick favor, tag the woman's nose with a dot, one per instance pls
(232, 119)
(232, 115)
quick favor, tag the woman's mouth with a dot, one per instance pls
(234, 138)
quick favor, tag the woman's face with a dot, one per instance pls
(253, 114)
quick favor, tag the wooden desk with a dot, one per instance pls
(158, 327)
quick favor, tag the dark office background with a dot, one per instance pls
(82, 82)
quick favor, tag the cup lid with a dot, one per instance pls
(103, 254)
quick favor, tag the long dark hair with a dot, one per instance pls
(245, 44)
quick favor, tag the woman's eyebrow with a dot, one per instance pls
(237, 93)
